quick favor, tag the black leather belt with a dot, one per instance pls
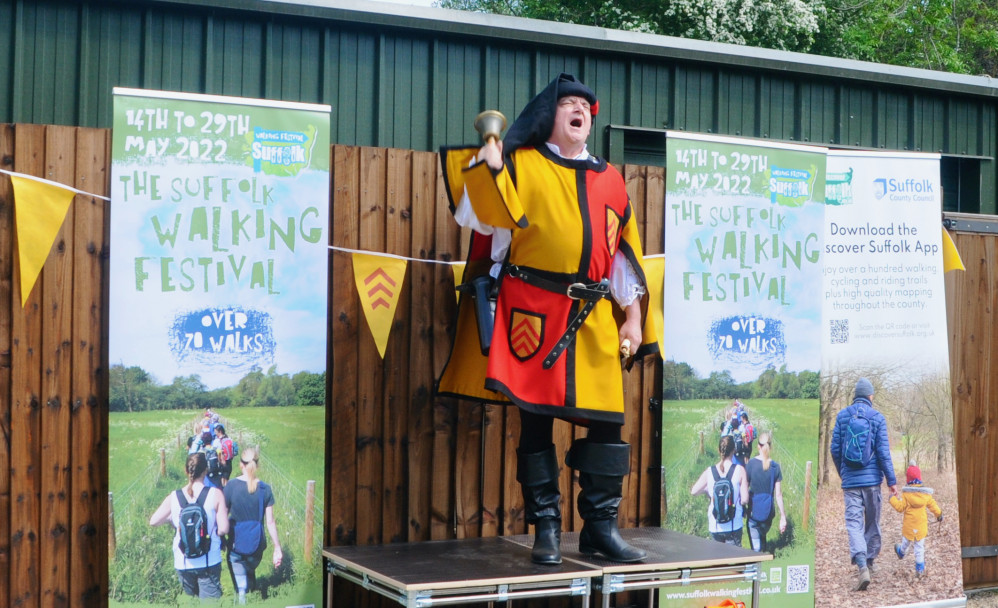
(591, 293)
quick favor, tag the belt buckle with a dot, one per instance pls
(568, 291)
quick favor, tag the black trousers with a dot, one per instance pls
(536, 432)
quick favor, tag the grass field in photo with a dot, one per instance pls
(291, 441)
(794, 424)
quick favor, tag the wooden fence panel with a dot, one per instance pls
(972, 298)
(6, 337)
(402, 465)
(53, 398)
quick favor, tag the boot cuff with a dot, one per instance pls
(537, 468)
(613, 459)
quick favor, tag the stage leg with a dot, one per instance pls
(755, 585)
(330, 578)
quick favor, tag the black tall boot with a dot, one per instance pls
(601, 468)
(538, 477)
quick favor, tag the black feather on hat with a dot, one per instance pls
(534, 124)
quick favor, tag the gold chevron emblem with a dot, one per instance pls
(612, 230)
(526, 333)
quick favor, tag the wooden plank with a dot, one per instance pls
(651, 509)
(493, 464)
(468, 460)
(344, 214)
(369, 386)
(512, 511)
(7, 299)
(25, 419)
(571, 520)
(89, 457)
(56, 357)
(653, 217)
(344, 318)
(398, 238)
(627, 515)
(444, 409)
(420, 420)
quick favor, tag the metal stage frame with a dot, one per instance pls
(498, 569)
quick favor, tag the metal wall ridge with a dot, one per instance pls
(506, 28)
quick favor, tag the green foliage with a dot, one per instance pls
(310, 389)
(630, 15)
(680, 381)
(133, 389)
(951, 35)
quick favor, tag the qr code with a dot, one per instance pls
(798, 579)
(840, 331)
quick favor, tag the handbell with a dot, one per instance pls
(490, 124)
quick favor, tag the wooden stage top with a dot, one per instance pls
(457, 564)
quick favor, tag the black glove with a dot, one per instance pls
(940, 518)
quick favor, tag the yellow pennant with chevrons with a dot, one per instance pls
(379, 282)
(40, 208)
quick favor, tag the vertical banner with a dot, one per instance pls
(884, 319)
(743, 238)
(218, 283)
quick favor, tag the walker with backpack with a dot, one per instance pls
(195, 538)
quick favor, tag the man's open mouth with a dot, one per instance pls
(576, 122)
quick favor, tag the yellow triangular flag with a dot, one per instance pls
(655, 275)
(379, 283)
(951, 257)
(40, 208)
(458, 269)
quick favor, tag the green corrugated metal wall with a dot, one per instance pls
(417, 80)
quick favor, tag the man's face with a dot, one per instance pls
(572, 122)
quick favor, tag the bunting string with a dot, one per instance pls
(651, 256)
(52, 183)
(393, 256)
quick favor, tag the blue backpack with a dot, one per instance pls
(724, 495)
(248, 534)
(857, 450)
(761, 509)
(195, 540)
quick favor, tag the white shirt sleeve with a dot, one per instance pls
(625, 285)
(465, 216)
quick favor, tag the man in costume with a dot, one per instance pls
(555, 228)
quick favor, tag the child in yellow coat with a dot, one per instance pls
(914, 500)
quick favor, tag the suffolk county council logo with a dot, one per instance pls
(904, 190)
(879, 188)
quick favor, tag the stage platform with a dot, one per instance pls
(498, 569)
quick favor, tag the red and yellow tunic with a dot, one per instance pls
(568, 219)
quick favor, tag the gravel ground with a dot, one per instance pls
(982, 599)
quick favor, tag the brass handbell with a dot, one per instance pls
(490, 124)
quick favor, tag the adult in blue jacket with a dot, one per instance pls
(861, 480)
